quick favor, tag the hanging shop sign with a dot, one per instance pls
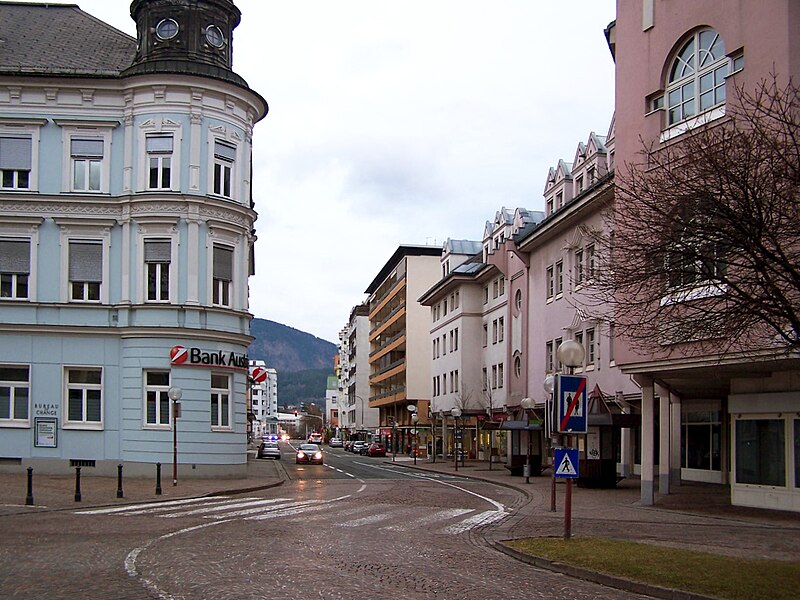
(195, 357)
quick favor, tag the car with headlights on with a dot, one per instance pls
(309, 454)
(269, 449)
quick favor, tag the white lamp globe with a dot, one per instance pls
(571, 353)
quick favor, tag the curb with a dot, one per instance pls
(621, 583)
(509, 486)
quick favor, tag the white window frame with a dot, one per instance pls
(85, 388)
(14, 421)
(164, 127)
(501, 325)
(99, 130)
(161, 394)
(550, 283)
(559, 278)
(77, 230)
(24, 128)
(223, 164)
(157, 232)
(216, 395)
(15, 276)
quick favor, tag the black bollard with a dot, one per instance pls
(119, 482)
(29, 497)
(77, 484)
(158, 479)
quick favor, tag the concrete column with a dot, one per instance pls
(664, 428)
(675, 442)
(648, 425)
(626, 452)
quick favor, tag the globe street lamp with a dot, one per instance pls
(549, 386)
(456, 412)
(570, 353)
(175, 394)
(527, 404)
(414, 420)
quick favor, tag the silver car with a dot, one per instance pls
(269, 449)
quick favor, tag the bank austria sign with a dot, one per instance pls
(195, 357)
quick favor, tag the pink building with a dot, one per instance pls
(730, 419)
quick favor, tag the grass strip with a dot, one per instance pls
(686, 570)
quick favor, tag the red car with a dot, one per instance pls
(376, 449)
(309, 453)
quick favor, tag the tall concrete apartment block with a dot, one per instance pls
(357, 419)
(126, 239)
(399, 340)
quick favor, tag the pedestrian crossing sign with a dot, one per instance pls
(566, 462)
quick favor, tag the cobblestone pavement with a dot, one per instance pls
(375, 542)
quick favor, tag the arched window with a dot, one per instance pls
(697, 77)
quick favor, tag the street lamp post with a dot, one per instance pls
(549, 386)
(456, 412)
(571, 354)
(527, 404)
(175, 394)
(412, 408)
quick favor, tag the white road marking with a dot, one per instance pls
(364, 521)
(133, 507)
(249, 502)
(484, 518)
(437, 517)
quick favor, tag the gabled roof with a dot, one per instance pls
(60, 39)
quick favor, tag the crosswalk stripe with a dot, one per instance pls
(364, 521)
(263, 509)
(483, 518)
(436, 517)
(251, 502)
(134, 507)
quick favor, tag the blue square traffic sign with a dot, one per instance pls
(571, 408)
(565, 463)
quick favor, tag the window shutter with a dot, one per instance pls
(157, 251)
(87, 148)
(159, 144)
(224, 151)
(223, 263)
(15, 256)
(85, 262)
(15, 153)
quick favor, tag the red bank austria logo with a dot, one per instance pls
(259, 374)
(178, 355)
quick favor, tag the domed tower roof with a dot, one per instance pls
(192, 37)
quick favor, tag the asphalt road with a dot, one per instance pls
(352, 528)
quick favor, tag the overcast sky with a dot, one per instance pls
(401, 123)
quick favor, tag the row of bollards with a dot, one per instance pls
(120, 494)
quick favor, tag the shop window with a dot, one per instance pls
(760, 452)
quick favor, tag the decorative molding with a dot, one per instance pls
(87, 94)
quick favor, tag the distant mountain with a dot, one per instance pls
(287, 349)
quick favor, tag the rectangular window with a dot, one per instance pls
(444, 307)
(495, 288)
(550, 206)
(559, 278)
(87, 164)
(485, 294)
(579, 184)
(156, 398)
(590, 262)
(500, 327)
(485, 335)
(494, 377)
(591, 347)
(761, 452)
(84, 396)
(223, 275)
(455, 384)
(550, 282)
(159, 160)
(451, 340)
(15, 163)
(444, 344)
(502, 286)
(556, 346)
(224, 158)
(455, 340)
(456, 301)
(157, 257)
(500, 375)
(15, 267)
(559, 200)
(14, 395)
(578, 267)
(85, 271)
(220, 400)
(548, 357)
(485, 379)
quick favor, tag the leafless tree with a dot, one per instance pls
(705, 245)
(489, 402)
